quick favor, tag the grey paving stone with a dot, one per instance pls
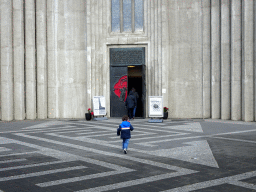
(178, 155)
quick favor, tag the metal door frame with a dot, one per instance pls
(144, 73)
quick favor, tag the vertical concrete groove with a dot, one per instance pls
(89, 50)
(236, 93)
(254, 57)
(6, 61)
(41, 59)
(210, 58)
(225, 60)
(97, 39)
(30, 59)
(18, 59)
(160, 46)
(52, 78)
(247, 61)
(216, 103)
(202, 58)
(101, 47)
(56, 21)
(93, 23)
(155, 49)
(151, 69)
(104, 51)
(149, 47)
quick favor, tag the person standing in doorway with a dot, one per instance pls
(124, 130)
(130, 103)
(136, 95)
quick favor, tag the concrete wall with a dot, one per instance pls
(199, 57)
(185, 63)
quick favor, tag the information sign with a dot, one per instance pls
(99, 106)
(155, 106)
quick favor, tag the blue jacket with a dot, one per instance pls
(125, 129)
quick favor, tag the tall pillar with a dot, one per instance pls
(236, 60)
(52, 28)
(30, 59)
(206, 10)
(159, 47)
(165, 51)
(247, 64)
(89, 53)
(6, 61)
(18, 59)
(41, 59)
(155, 37)
(215, 57)
(225, 59)
(152, 50)
(93, 49)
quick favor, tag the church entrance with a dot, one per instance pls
(127, 71)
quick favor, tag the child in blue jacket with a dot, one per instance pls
(125, 129)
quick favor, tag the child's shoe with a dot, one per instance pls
(125, 151)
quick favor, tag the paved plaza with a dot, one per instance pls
(176, 155)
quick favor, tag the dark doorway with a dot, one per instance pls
(127, 71)
(135, 81)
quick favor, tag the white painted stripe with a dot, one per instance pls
(13, 160)
(243, 184)
(202, 185)
(14, 154)
(92, 132)
(193, 137)
(133, 182)
(39, 130)
(32, 165)
(77, 130)
(48, 127)
(36, 174)
(231, 139)
(4, 149)
(76, 179)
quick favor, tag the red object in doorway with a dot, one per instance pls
(120, 88)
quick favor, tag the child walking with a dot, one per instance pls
(125, 129)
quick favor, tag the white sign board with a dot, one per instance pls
(156, 106)
(99, 106)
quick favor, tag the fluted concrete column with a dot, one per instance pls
(247, 69)
(30, 59)
(18, 57)
(152, 49)
(66, 58)
(215, 57)
(71, 42)
(52, 29)
(236, 60)
(6, 61)
(41, 59)
(206, 10)
(225, 59)
(165, 52)
(89, 53)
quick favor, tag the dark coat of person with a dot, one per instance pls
(131, 101)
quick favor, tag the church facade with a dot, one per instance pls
(199, 55)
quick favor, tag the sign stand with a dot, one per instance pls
(99, 108)
(156, 109)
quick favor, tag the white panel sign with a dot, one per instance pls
(155, 106)
(99, 105)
